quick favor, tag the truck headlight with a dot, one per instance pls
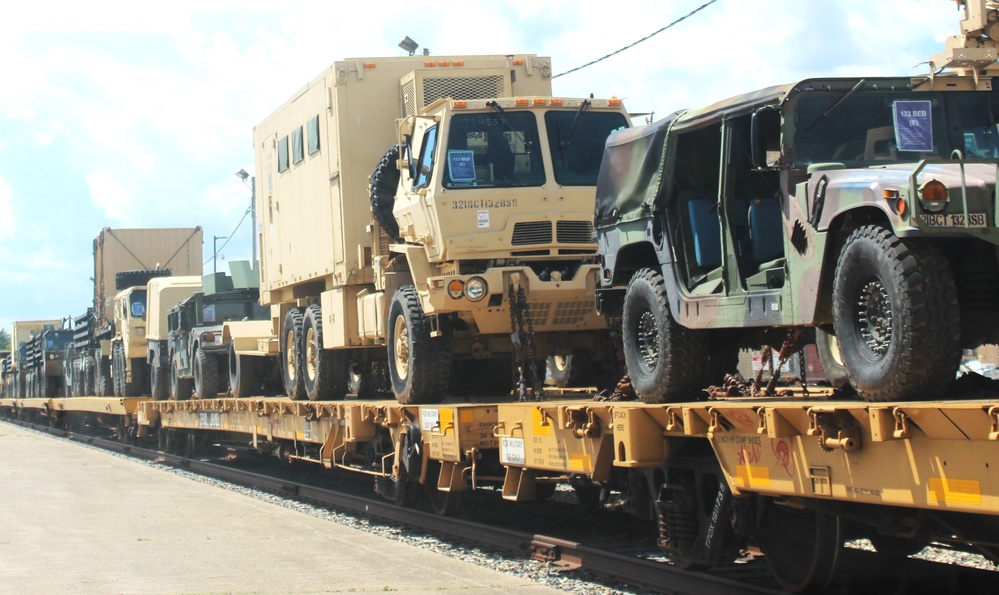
(476, 289)
(140, 331)
(933, 196)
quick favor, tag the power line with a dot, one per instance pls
(647, 37)
(232, 233)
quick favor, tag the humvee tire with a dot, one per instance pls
(206, 375)
(243, 372)
(665, 361)
(419, 365)
(827, 346)
(896, 315)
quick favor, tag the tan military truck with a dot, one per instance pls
(123, 258)
(162, 294)
(480, 249)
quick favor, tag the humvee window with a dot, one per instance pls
(499, 151)
(576, 151)
(870, 127)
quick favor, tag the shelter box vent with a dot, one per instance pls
(420, 88)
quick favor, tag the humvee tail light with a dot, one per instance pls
(540, 102)
(460, 104)
(455, 288)
(557, 101)
(933, 196)
(521, 102)
(476, 289)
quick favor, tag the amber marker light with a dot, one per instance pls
(557, 101)
(370, 65)
(933, 196)
(540, 102)
(430, 64)
(455, 288)
(614, 102)
(460, 104)
(518, 62)
(445, 63)
(521, 103)
(459, 62)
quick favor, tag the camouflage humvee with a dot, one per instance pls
(861, 208)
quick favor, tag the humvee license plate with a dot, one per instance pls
(954, 220)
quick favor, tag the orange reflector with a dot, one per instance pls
(518, 62)
(933, 190)
(900, 206)
(540, 102)
(613, 102)
(521, 102)
(370, 65)
(430, 64)
(459, 62)
(445, 63)
(890, 194)
(460, 104)
(556, 101)
(437, 283)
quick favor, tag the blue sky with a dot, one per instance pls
(137, 114)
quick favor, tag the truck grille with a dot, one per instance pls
(574, 232)
(532, 232)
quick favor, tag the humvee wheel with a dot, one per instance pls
(570, 370)
(802, 548)
(159, 381)
(206, 375)
(291, 360)
(324, 371)
(831, 358)
(418, 364)
(665, 360)
(896, 315)
(180, 388)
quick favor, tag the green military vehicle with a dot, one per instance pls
(860, 211)
(44, 358)
(5, 375)
(199, 351)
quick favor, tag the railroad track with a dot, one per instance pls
(639, 573)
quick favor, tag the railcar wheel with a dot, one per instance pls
(324, 370)
(206, 375)
(831, 358)
(896, 314)
(243, 371)
(802, 549)
(291, 355)
(418, 364)
(664, 360)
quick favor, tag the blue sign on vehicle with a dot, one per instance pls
(913, 126)
(461, 165)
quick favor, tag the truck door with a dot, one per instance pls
(412, 205)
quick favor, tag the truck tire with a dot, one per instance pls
(324, 371)
(126, 279)
(418, 364)
(135, 386)
(827, 346)
(571, 370)
(102, 377)
(118, 369)
(47, 386)
(180, 388)
(896, 314)
(243, 371)
(159, 380)
(360, 380)
(666, 362)
(291, 350)
(206, 375)
(384, 184)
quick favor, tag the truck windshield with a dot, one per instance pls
(57, 341)
(137, 303)
(576, 151)
(227, 311)
(879, 127)
(498, 150)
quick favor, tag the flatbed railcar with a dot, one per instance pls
(717, 477)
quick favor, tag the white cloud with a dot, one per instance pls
(110, 196)
(6, 210)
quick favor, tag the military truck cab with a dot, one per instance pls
(45, 356)
(862, 208)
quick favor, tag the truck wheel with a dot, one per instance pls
(118, 370)
(159, 381)
(360, 380)
(896, 314)
(206, 375)
(291, 360)
(133, 388)
(180, 388)
(384, 184)
(242, 373)
(665, 360)
(418, 364)
(89, 377)
(324, 370)
(570, 370)
(102, 377)
(827, 346)
(46, 386)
